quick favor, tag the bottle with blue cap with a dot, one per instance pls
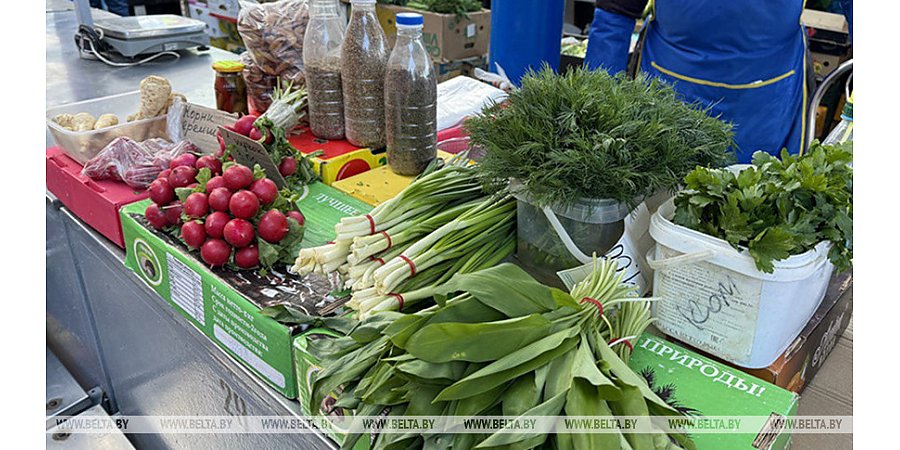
(410, 100)
(363, 59)
(322, 60)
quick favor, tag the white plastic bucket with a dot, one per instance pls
(713, 297)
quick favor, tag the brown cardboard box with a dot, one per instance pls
(829, 41)
(797, 366)
(451, 69)
(446, 37)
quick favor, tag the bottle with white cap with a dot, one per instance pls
(363, 59)
(410, 100)
(322, 60)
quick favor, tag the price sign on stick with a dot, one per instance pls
(248, 152)
(199, 125)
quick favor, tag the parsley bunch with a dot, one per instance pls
(777, 207)
(587, 134)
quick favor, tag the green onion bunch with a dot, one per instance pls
(441, 224)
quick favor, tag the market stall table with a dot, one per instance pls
(111, 330)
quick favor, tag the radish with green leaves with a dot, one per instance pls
(238, 232)
(193, 234)
(215, 252)
(247, 257)
(237, 177)
(221, 208)
(161, 192)
(219, 198)
(215, 224)
(196, 205)
(243, 204)
(156, 216)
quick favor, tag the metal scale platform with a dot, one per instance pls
(140, 35)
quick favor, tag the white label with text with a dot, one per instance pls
(708, 306)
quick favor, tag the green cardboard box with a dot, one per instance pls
(224, 304)
(306, 365)
(708, 388)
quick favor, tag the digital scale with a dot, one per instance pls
(135, 35)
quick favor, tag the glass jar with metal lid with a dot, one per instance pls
(231, 92)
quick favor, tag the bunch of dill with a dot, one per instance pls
(587, 134)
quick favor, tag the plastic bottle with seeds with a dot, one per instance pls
(410, 98)
(322, 59)
(363, 59)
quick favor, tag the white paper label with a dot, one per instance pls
(185, 289)
(625, 256)
(708, 306)
(629, 252)
(248, 356)
(470, 30)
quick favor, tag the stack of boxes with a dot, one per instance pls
(457, 45)
(220, 17)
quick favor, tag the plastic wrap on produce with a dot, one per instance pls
(460, 97)
(135, 163)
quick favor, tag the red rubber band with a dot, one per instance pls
(626, 342)
(412, 266)
(330, 242)
(399, 300)
(371, 224)
(373, 258)
(595, 302)
(388, 237)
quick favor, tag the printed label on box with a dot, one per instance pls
(708, 306)
(186, 289)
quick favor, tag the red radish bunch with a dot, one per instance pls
(228, 217)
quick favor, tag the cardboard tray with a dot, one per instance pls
(225, 305)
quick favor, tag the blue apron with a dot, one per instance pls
(744, 59)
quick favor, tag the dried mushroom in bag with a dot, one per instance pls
(273, 34)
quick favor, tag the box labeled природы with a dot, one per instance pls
(698, 386)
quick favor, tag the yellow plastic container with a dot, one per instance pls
(379, 184)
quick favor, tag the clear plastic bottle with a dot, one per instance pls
(410, 99)
(322, 59)
(363, 60)
(843, 132)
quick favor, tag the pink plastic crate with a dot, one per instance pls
(95, 202)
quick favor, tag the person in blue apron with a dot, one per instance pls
(745, 59)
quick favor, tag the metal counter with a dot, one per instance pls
(159, 364)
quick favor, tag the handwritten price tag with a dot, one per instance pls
(199, 125)
(248, 152)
